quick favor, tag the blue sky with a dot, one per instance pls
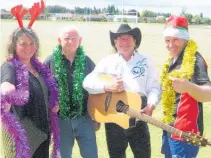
(175, 7)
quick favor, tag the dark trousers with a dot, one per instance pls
(138, 138)
(43, 150)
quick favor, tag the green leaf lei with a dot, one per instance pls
(70, 106)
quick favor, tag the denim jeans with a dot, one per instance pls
(81, 129)
(172, 148)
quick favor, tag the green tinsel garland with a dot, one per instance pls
(70, 106)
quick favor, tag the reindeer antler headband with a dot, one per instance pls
(19, 11)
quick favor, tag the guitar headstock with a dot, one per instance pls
(195, 139)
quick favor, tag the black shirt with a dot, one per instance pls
(89, 67)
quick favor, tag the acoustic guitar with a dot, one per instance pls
(102, 107)
(120, 107)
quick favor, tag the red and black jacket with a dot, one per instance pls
(189, 112)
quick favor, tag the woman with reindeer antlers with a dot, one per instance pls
(29, 93)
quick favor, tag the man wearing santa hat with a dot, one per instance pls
(184, 72)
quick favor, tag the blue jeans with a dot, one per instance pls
(81, 129)
(172, 148)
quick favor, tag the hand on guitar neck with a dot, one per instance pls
(148, 109)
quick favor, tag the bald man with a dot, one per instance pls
(70, 65)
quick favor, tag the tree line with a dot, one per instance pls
(112, 10)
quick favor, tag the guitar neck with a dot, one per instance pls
(152, 121)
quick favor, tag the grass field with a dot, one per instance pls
(97, 45)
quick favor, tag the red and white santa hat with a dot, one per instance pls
(177, 26)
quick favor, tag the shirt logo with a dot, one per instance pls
(140, 68)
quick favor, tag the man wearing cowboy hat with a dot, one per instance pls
(134, 72)
(183, 74)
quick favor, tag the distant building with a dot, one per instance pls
(109, 17)
(148, 20)
(42, 16)
(93, 17)
(60, 16)
(128, 18)
(5, 15)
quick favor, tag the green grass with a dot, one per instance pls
(97, 45)
(156, 134)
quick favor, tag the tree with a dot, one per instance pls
(145, 19)
(57, 9)
(111, 9)
(207, 21)
(125, 20)
(148, 13)
(197, 19)
(79, 10)
(117, 11)
(4, 11)
(201, 15)
(133, 12)
(46, 13)
(189, 17)
(166, 14)
(183, 11)
(95, 11)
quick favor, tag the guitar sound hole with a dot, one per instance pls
(121, 107)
